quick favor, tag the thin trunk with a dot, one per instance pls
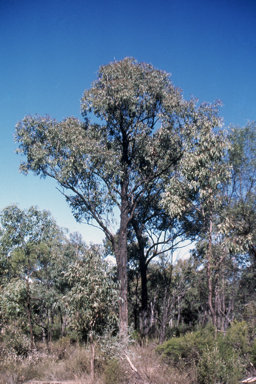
(48, 327)
(63, 324)
(143, 275)
(92, 356)
(178, 319)
(209, 275)
(43, 335)
(152, 307)
(144, 294)
(217, 307)
(164, 317)
(52, 322)
(135, 312)
(223, 304)
(29, 316)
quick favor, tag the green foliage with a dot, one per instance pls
(13, 298)
(239, 224)
(253, 353)
(188, 347)
(113, 372)
(236, 339)
(14, 341)
(92, 300)
(213, 368)
(35, 252)
(148, 138)
(217, 360)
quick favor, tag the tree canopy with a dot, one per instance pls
(143, 133)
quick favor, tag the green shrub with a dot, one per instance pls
(16, 342)
(237, 337)
(188, 347)
(213, 368)
(113, 372)
(217, 361)
(253, 353)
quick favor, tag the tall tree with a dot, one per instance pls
(143, 129)
(196, 189)
(240, 224)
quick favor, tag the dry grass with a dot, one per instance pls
(65, 362)
(153, 370)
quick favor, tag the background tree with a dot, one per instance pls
(93, 298)
(144, 128)
(196, 188)
(240, 225)
(26, 240)
(157, 234)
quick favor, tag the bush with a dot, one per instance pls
(213, 368)
(217, 361)
(253, 354)
(236, 339)
(15, 342)
(188, 348)
(113, 372)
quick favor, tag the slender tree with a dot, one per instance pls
(197, 188)
(239, 224)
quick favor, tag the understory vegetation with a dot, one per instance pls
(193, 357)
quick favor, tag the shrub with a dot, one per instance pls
(217, 361)
(213, 368)
(113, 372)
(15, 342)
(237, 338)
(187, 348)
(253, 353)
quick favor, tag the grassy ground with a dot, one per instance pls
(63, 361)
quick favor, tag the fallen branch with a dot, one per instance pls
(131, 364)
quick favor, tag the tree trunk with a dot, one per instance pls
(178, 318)
(144, 293)
(164, 317)
(92, 356)
(122, 262)
(209, 275)
(43, 335)
(63, 324)
(29, 316)
(143, 275)
(152, 311)
(135, 310)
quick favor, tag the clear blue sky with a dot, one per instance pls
(50, 52)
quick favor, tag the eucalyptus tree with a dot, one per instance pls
(143, 128)
(196, 189)
(24, 241)
(157, 234)
(240, 223)
(93, 299)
